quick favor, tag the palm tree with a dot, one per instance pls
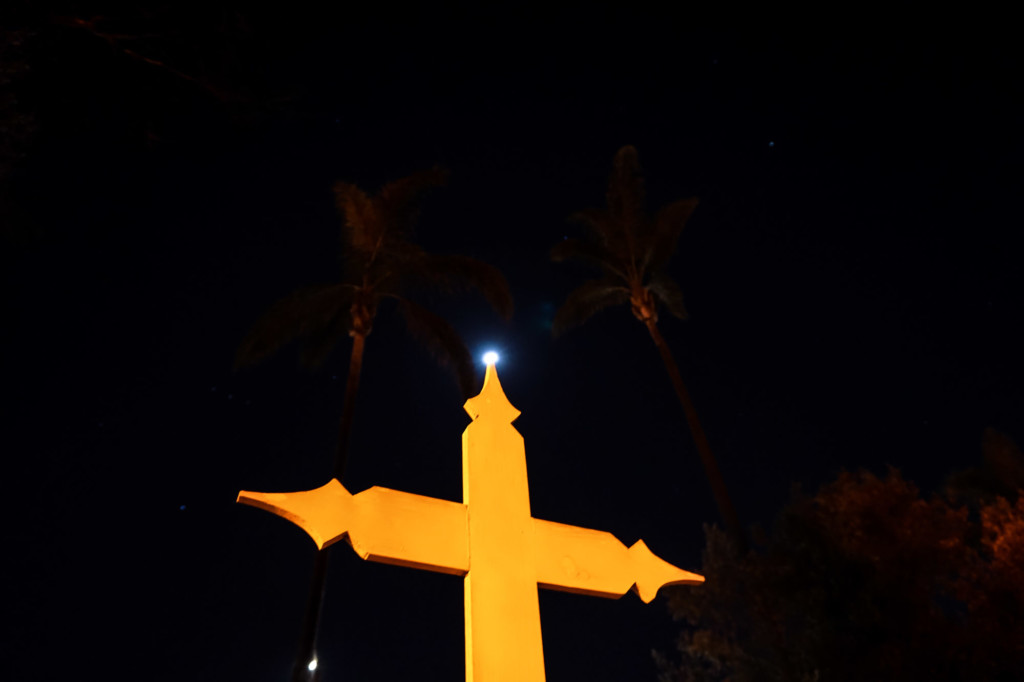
(380, 264)
(632, 251)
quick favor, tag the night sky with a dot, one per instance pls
(852, 273)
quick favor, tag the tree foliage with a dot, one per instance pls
(379, 262)
(864, 581)
(631, 250)
(1001, 473)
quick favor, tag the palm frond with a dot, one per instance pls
(588, 252)
(585, 301)
(441, 339)
(667, 227)
(455, 273)
(295, 316)
(626, 191)
(397, 202)
(391, 265)
(353, 267)
(668, 293)
(324, 340)
(361, 224)
(598, 222)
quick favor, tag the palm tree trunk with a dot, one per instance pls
(318, 583)
(718, 489)
(355, 366)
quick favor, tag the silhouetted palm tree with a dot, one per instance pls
(379, 263)
(632, 251)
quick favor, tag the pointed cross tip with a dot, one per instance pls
(491, 399)
(653, 572)
(311, 510)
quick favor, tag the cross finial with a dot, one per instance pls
(491, 402)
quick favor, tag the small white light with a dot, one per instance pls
(490, 358)
(312, 665)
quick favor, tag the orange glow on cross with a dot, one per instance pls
(491, 539)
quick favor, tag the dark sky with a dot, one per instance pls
(852, 275)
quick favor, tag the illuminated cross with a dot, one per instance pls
(491, 539)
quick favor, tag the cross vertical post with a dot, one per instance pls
(503, 636)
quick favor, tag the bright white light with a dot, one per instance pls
(490, 358)
(312, 665)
